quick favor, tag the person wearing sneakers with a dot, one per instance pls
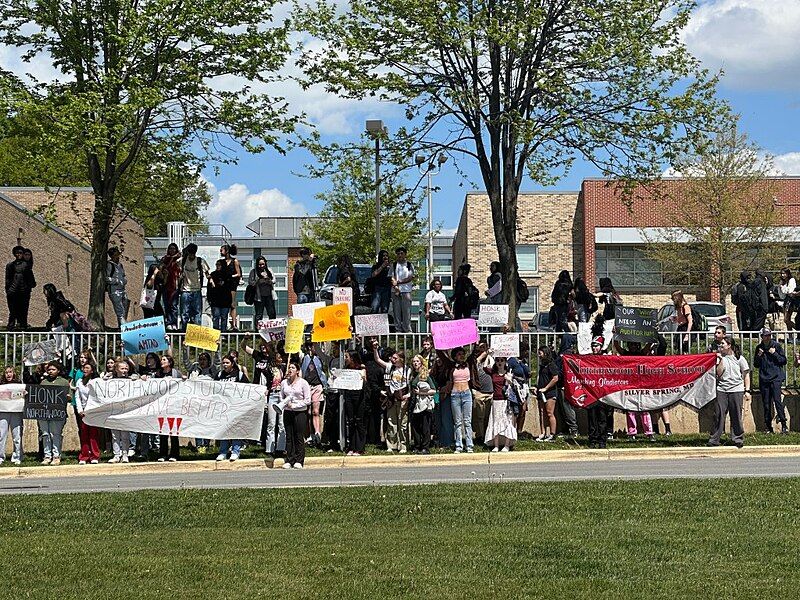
(230, 372)
(11, 411)
(295, 400)
(169, 446)
(120, 440)
(597, 413)
(50, 430)
(770, 360)
(501, 429)
(733, 378)
(546, 391)
(89, 436)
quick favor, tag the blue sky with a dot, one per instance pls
(754, 41)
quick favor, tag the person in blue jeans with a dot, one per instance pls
(193, 271)
(219, 296)
(304, 278)
(381, 283)
(230, 372)
(458, 380)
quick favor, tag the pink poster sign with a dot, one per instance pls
(452, 334)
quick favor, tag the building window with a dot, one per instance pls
(629, 267)
(528, 258)
(529, 309)
(443, 269)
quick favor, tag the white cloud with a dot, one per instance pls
(787, 164)
(236, 206)
(753, 41)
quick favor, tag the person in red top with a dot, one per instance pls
(501, 430)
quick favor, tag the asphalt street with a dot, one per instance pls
(701, 467)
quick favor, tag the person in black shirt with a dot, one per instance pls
(381, 283)
(19, 284)
(60, 308)
(462, 293)
(218, 295)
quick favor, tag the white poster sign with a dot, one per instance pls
(346, 379)
(493, 315)
(272, 330)
(193, 408)
(505, 345)
(343, 295)
(372, 324)
(305, 312)
(12, 397)
(584, 338)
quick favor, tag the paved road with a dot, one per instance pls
(778, 466)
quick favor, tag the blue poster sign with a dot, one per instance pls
(147, 335)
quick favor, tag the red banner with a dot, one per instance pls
(640, 382)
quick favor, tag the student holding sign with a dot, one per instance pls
(89, 436)
(50, 430)
(355, 404)
(11, 418)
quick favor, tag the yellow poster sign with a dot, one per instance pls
(294, 336)
(331, 323)
(202, 337)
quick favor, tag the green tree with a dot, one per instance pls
(724, 214)
(346, 222)
(522, 87)
(164, 75)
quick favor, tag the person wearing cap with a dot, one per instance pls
(598, 412)
(115, 285)
(770, 360)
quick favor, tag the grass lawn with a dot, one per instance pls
(653, 539)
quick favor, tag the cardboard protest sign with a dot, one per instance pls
(305, 312)
(146, 335)
(493, 315)
(635, 324)
(584, 338)
(372, 324)
(294, 336)
(12, 397)
(346, 379)
(505, 345)
(46, 402)
(194, 408)
(272, 330)
(452, 334)
(331, 323)
(39, 353)
(206, 338)
(343, 295)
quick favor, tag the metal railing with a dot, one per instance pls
(106, 345)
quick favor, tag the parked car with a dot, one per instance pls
(714, 312)
(363, 272)
(541, 323)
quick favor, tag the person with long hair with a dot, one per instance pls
(86, 357)
(561, 297)
(423, 390)
(264, 282)
(494, 284)
(436, 306)
(274, 441)
(683, 317)
(295, 400)
(89, 436)
(381, 281)
(169, 447)
(116, 282)
(463, 295)
(234, 268)
(585, 302)
(60, 308)
(108, 373)
(355, 404)
(154, 280)
(787, 297)
(193, 270)
(398, 377)
(346, 276)
(733, 384)
(501, 429)
(459, 376)
(546, 391)
(218, 295)
(230, 372)
(170, 267)
(120, 439)
(51, 430)
(11, 419)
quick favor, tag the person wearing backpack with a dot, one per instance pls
(115, 285)
(402, 284)
(465, 294)
(193, 270)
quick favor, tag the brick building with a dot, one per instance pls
(56, 226)
(593, 233)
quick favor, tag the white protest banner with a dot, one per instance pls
(343, 295)
(39, 353)
(584, 338)
(305, 312)
(372, 324)
(493, 315)
(272, 330)
(505, 345)
(203, 408)
(12, 397)
(346, 379)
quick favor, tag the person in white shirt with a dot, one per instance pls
(436, 306)
(402, 285)
(787, 297)
(733, 384)
(193, 272)
(295, 400)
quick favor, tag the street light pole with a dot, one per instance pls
(430, 168)
(375, 129)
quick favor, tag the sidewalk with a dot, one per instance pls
(408, 460)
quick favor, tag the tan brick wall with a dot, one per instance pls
(70, 211)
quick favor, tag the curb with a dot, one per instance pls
(351, 462)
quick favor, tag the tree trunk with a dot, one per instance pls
(505, 239)
(101, 233)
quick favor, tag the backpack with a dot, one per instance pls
(473, 297)
(522, 291)
(699, 322)
(250, 294)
